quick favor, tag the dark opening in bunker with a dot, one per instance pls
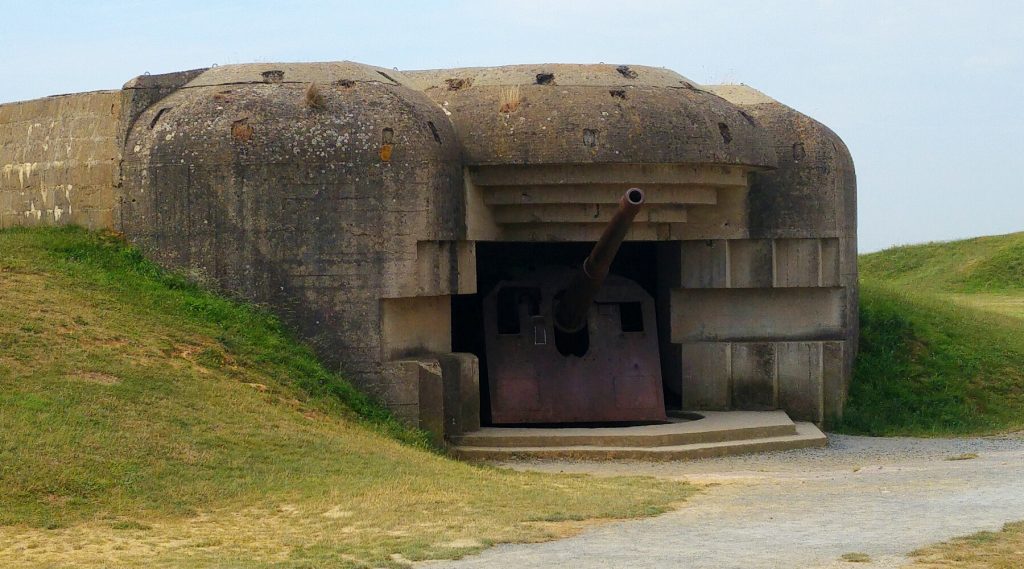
(509, 301)
(631, 317)
(518, 309)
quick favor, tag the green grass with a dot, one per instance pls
(146, 422)
(993, 264)
(942, 340)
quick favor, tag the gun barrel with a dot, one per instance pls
(571, 310)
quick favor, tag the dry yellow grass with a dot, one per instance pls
(984, 550)
(319, 533)
(314, 97)
(509, 99)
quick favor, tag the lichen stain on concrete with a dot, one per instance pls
(23, 170)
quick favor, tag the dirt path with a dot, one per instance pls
(799, 509)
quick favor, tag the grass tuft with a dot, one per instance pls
(509, 99)
(314, 97)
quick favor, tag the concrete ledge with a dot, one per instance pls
(806, 436)
(716, 426)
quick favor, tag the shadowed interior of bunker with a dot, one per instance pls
(504, 261)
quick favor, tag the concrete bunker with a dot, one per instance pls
(374, 211)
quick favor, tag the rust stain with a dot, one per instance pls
(385, 152)
(241, 130)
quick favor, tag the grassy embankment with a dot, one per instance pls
(146, 422)
(942, 340)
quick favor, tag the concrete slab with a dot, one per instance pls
(807, 436)
(717, 434)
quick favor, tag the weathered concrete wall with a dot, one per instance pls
(59, 160)
(792, 278)
(582, 114)
(341, 207)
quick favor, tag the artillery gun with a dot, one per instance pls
(575, 345)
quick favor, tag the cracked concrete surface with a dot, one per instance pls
(798, 509)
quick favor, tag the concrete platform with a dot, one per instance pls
(717, 434)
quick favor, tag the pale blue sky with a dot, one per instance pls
(927, 94)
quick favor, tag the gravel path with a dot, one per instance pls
(798, 509)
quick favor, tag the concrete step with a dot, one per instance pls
(807, 436)
(715, 426)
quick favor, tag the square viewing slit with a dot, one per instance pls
(631, 316)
